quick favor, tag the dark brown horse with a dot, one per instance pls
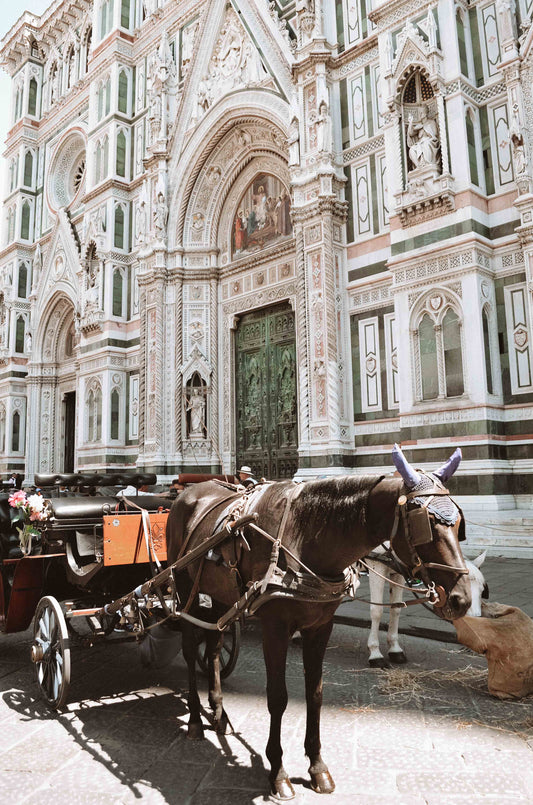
(326, 526)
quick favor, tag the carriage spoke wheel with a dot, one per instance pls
(228, 654)
(50, 652)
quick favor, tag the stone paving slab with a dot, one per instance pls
(425, 734)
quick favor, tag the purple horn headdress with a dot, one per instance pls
(412, 477)
(448, 469)
(409, 475)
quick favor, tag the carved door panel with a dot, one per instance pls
(266, 410)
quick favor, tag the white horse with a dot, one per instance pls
(377, 583)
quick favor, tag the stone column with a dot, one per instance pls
(152, 450)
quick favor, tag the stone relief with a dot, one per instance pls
(423, 141)
(162, 86)
(235, 63)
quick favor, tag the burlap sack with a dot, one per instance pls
(504, 634)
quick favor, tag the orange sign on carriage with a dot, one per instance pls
(125, 541)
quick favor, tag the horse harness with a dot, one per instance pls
(418, 530)
(295, 582)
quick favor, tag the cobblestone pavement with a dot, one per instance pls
(426, 733)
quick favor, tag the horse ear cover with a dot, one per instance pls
(409, 475)
(448, 469)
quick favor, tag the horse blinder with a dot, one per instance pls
(420, 531)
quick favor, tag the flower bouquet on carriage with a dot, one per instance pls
(31, 509)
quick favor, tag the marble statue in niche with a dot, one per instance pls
(423, 140)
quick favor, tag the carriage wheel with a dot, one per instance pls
(228, 654)
(50, 652)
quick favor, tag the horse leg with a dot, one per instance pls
(275, 644)
(214, 643)
(314, 648)
(395, 653)
(189, 645)
(377, 591)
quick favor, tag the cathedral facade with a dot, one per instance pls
(283, 234)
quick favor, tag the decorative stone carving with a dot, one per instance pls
(162, 84)
(323, 127)
(196, 407)
(235, 63)
(423, 141)
(160, 216)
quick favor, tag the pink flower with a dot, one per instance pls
(17, 498)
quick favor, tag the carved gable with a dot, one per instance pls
(61, 263)
(234, 64)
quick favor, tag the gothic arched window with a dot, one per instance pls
(115, 413)
(428, 359)
(125, 14)
(487, 350)
(471, 141)
(453, 354)
(15, 433)
(70, 67)
(123, 92)
(22, 290)
(25, 221)
(20, 332)
(28, 169)
(94, 413)
(32, 97)
(119, 226)
(118, 292)
(87, 49)
(121, 154)
(438, 350)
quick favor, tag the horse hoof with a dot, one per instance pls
(282, 790)
(378, 662)
(195, 732)
(322, 783)
(397, 657)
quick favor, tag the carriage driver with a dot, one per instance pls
(245, 476)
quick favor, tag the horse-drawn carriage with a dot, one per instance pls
(92, 547)
(282, 550)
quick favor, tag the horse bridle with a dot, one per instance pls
(416, 567)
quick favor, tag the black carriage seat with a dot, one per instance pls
(89, 510)
(93, 480)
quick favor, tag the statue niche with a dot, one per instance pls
(421, 132)
(196, 407)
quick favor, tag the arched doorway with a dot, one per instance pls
(52, 392)
(266, 392)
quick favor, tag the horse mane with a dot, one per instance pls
(332, 505)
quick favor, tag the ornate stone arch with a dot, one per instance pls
(54, 322)
(240, 110)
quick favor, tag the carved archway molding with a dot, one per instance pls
(239, 110)
(53, 326)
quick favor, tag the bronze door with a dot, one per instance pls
(267, 423)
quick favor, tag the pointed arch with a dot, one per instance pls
(263, 108)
